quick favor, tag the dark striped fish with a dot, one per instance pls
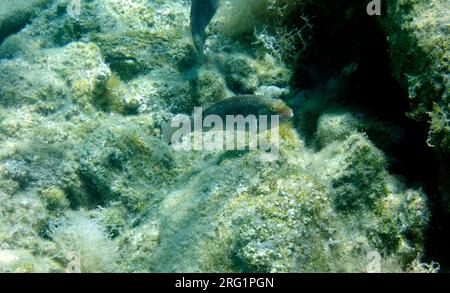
(250, 105)
(244, 105)
(202, 11)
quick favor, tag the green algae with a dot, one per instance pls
(82, 168)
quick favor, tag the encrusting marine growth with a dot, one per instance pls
(87, 183)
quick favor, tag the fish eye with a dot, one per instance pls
(272, 108)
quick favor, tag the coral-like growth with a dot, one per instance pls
(14, 14)
(86, 183)
(83, 245)
(278, 26)
(240, 74)
(54, 78)
(420, 51)
(209, 87)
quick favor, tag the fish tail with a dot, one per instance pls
(199, 43)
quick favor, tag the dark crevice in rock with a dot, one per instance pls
(17, 14)
(372, 90)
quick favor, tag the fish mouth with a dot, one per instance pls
(286, 115)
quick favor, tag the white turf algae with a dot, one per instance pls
(88, 185)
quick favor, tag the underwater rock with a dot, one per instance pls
(83, 169)
(272, 73)
(246, 214)
(23, 83)
(421, 29)
(356, 171)
(22, 261)
(335, 127)
(135, 52)
(78, 241)
(127, 153)
(137, 246)
(273, 92)
(418, 39)
(144, 94)
(240, 73)
(208, 87)
(15, 14)
(53, 78)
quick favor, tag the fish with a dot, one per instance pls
(244, 105)
(202, 12)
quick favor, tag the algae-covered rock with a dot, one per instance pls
(335, 127)
(14, 14)
(22, 261)
(127, 154)
(53, 78)
(418, 33)
(87, 185)
(78, 241)
(246, 214)
(356, 172)
(240, 74)
(38, 85)
(145, 51)
(209, 87)
(418, 39)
